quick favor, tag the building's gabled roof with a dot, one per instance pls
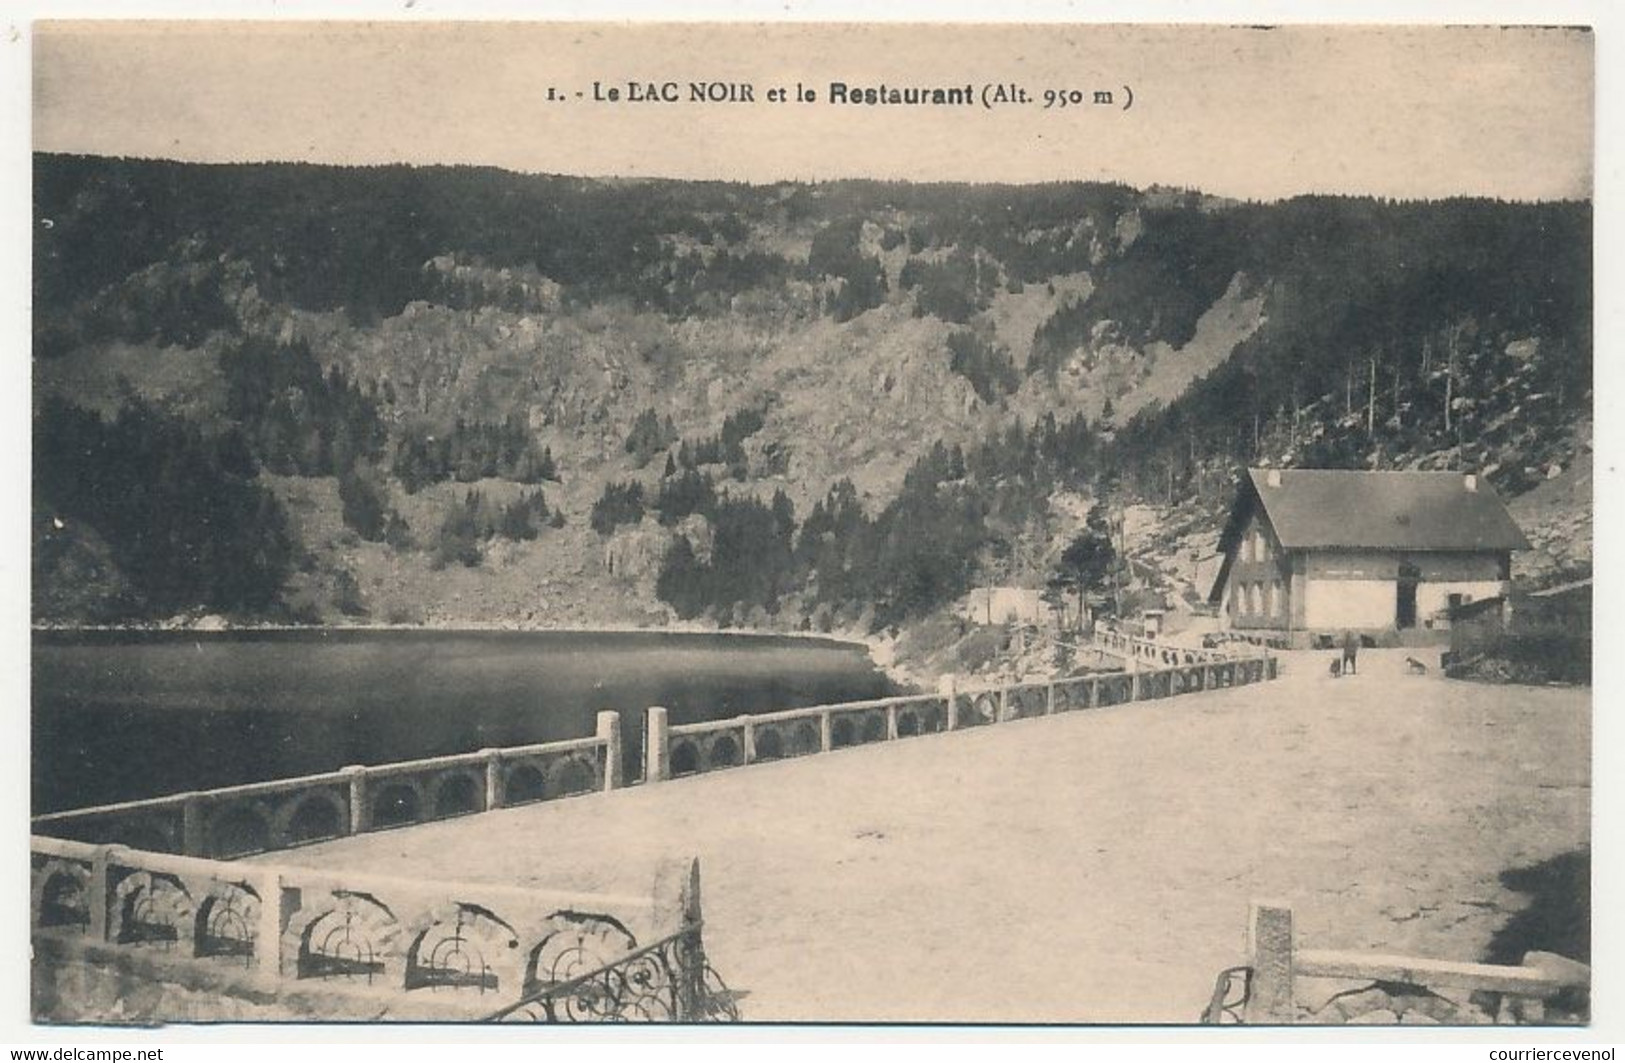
(1317, 509)
(1330, 509)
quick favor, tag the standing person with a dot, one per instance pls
(1351, 649)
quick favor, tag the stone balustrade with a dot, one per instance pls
(1283, 983)
(258, 817)
(1143, 650)
(694, 748)
(267, 932)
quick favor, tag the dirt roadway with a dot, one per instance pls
(1093, 867)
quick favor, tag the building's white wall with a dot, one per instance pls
(1351, 603)
(1371, 603)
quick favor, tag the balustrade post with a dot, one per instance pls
(100, 894)
(748, 753)
(1003, 712)
(891, 723)
(268, 934)
(1094, 692)
(945, 686)
(360, 809)
(493, 779)
(1269, 952)
(193, 814)
(1049, 699)
(609, 733)
(691, 951)
(656, 745)
(826, 733)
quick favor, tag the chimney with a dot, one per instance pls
(1470, 481)
(1274, 478)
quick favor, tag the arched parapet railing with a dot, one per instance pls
(524, 780)
(152, 826)
(396, 800)
(1073, 694)
(569, 774)
(570, 944)
(462, 945)
(60, 893)
(150, 908)
(795, 736)
(921, 716)
(299, 925)
(227, 923)
(345, 934)
(698, 748)
(239, 827)
(980, 707)
(259, 817)
(1024, 702)
(858, 726)
(312, 815)
(456, 791)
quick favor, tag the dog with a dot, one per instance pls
(1337, 667)
(1415, 667)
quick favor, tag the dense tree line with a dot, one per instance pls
(1391, 331)
(750, 565)
(299, 420)
(178, 507)
(727, 447)
(467, 526)
(982, 362)
(471, 450)
(959, 515)
(620, 503)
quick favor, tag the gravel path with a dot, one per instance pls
(1093, 867)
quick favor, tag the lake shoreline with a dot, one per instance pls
(881, 651)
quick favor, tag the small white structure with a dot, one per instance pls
(1002, 605)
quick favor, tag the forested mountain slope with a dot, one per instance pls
(288, 392)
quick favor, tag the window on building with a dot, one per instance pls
(1268, 589)
(1280, 605)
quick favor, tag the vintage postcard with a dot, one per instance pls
(811, 523)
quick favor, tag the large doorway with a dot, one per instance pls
(1405, 606)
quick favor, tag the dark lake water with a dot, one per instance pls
(121, 715)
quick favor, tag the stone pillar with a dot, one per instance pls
(891, 723)
(193, 814)
(748, 752)
(493, 779)
(945, 686)
(1269, 952)
(656, 745)
(1049, 699)
(268, 934)
(360, 808)
(100, 894)
(1094, 692)
(1002, 713)
(690, 974)
(609, 733)
(826, 733)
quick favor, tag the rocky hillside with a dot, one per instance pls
(457, 396)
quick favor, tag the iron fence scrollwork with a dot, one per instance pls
(667, 981)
